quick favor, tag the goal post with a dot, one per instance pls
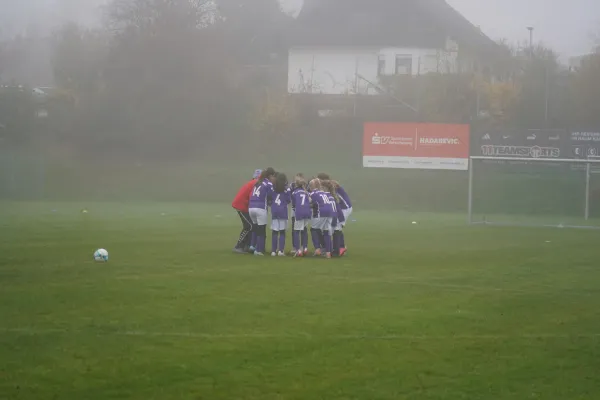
(534, 192)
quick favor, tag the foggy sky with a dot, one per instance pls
(567, 26)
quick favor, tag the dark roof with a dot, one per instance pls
(415, 23)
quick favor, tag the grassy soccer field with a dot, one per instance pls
(436, 310)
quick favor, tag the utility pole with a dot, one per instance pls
(530, 29)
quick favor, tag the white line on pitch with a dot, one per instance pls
(407, 337)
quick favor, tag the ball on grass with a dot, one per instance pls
(101, 255)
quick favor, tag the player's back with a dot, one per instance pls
(301, 204)
(344, 199)
(323, 207)
(279, 205)
(260, 195)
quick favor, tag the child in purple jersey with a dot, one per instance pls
(323, 215)
(257, 208)
(303, 211)
(279, 214)
(338, 224)
(299, 177)
(329, 190)
(345, 205)
(315, 233)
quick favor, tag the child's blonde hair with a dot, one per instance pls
(330, 187)
(314, 183)
(300, 181)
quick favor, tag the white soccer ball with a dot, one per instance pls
(101, 255)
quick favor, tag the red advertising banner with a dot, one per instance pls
(416, 146)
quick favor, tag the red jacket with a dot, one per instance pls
(242, 199)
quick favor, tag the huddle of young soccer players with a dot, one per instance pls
(320, 203)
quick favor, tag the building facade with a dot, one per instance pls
(346, 47)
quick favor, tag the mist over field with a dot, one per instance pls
(158, 100)
(434, 236)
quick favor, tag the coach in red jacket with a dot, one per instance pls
(240, 203)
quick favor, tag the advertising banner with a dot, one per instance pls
(416, 146)
(537, 143)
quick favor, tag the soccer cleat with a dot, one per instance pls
(342, 251)
(306, 251)
(256, 253)
(252, 249)
(317, 252)
(299, 253)
(281, 254)
(327, 255)
(273, 254)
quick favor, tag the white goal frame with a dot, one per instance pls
(588, 172)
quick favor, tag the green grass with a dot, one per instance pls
(437, 310)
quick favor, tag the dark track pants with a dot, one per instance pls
(245, 235)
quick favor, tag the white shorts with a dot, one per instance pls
(347, 212)
(279, 225)
(300, 224)
(258, 216)
(322, 223)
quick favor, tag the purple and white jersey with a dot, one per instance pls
(322, 207)
(279, 204)
(340, 218)
(301, 204)
(260, 195)
(345, 202)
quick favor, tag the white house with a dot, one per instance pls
(345, 46)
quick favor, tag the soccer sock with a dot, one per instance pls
(342, 241)
(261, 238)
(274, 241)
(315, 234)
(322, 240)
(281, 240)
(304, 238)
(336, 241)
(327, 241)
(296, 239)
(253, 238)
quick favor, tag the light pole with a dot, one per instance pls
(530, 29)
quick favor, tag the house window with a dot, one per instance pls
(381, 65)
(403, 64)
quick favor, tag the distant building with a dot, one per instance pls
(578, 61)
(345, 46)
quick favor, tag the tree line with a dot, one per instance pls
(166, 76)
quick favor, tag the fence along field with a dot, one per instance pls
(514, 189)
